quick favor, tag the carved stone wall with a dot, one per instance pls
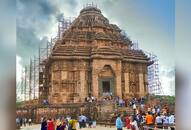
(135, 77)
(69, 81)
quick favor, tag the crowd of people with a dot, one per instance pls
(116, 100)
(144, 116)
(67, 123)
(150, 120)
(22, 121)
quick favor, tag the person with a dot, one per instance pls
(17, 122)
(41, 119)
(153, 110)
(58, 124)
(80, 121)
(63, 125)
(44, 124)
(119, 123)
(121, 102)
(133, 123)
(67, 120)
(21, 122)
(84, 120)
(142, 104)
(24, 121)
(50, 124)
(30, 121)
(158, 109)
(158, 121)
(166, 121)
(149, 120)
(171, 121)
(90, 122)
(94, 123)
(144, 118)
(139, 119)
(72, 123)
(127, 122)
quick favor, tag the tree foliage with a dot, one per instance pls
(19, 104)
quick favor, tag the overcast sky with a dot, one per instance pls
(151, 23)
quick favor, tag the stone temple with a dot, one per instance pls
(93, 57)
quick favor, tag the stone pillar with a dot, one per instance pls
(95, 86)
(118, 80)
(126, 75)
(146, 80)
(141, 84)
(83, 90)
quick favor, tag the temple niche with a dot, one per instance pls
(94, 57)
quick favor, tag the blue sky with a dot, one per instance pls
(151, 23)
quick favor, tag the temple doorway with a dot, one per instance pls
(106, 81)
(106, 87)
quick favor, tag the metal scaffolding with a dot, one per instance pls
(90, 5)
(33, 79)
(154, 83)
(44, 54)
(63, 25)
(135, 46)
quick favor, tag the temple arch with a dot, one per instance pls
(106, 79)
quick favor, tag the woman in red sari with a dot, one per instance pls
(50, 124)
(127, 122)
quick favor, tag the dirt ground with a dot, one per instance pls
(37, 127)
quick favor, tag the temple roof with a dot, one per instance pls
(92, 25)
(91, 35)
(90, 9)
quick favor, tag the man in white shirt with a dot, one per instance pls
(171, 121)
(166, 121)
(158, 110)
(153, 110)
(30, 121)
(158, 121)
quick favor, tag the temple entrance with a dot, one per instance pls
(106, 81)
(106, 87)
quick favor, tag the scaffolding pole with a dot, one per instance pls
(25, 88)
(34, 78)
(154, 83)
(22, 83)
(39, 64)
(30, 78)
(39, 74)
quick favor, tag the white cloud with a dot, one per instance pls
(167, 77)
(19, 69)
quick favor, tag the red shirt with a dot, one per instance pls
(127, 122)
(50, 125)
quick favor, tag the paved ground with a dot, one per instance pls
(37, 127)
(33, 127)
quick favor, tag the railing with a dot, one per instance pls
(161, 127)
